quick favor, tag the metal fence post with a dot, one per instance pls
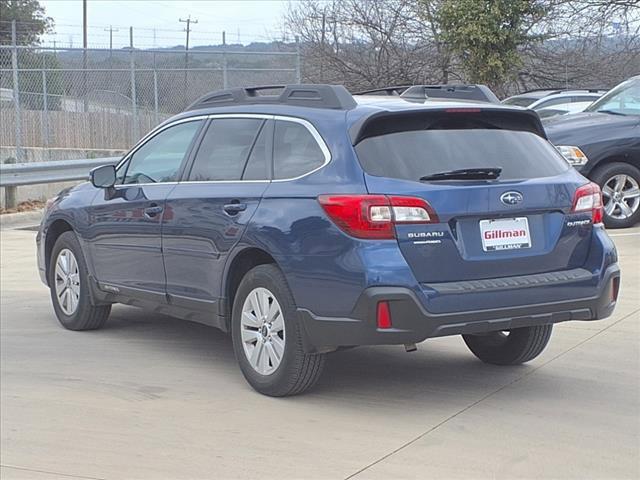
(134, 103)
(10, 193)
(155, 90)
(16, 93)
(45, 114)
(298, 72)
(225, 81)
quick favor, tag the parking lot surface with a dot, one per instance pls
(153, 397)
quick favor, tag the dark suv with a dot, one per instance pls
(311, 220)
(603, 143)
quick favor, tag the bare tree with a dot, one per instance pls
(368, 43)
(587, 43)
(375, 43)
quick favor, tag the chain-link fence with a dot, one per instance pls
(96, 101)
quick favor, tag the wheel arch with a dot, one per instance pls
(55, 229)
(616, 158)
(243, 261)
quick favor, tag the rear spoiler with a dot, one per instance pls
(386, 122)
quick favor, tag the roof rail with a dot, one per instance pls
(390, 91)
(478, 92)
(305, 95)
(553, 91)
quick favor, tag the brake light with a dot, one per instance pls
(383, 316)
(373, 216)
(462, 110)
(589, 198)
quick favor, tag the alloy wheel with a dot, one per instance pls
(621, 195)
(67, 282)
(262, 331)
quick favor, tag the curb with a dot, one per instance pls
(20, 219)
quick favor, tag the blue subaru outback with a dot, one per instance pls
(304, 220)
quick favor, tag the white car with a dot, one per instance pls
(549, 103)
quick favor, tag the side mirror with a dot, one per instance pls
(103, 177)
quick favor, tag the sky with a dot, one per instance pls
(156, 22)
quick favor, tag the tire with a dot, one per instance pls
(606, 176)
(518, 346)
(85, 315)
(294, 371)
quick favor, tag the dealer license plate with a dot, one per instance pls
(505, 234)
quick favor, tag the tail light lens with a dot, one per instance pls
(374, 216)
(589, 198)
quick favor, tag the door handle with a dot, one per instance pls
(152, 211)
(234, 208)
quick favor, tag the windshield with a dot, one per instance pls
(519, 101)
(623, 99)
(411, 155)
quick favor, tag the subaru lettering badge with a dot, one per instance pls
(511, 198)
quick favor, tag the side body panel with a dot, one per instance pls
(123, 237)
(199, 236)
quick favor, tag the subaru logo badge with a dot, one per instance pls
(511, 198)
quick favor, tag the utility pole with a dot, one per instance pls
(110, 30)
(84, 24)
(188, 21)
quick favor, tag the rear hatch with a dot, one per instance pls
(519, 223)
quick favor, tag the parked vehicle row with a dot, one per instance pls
(549, 103)
(603, 143)
(315, 220)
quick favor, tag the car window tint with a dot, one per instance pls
(584, 99)
(223, 153)
(256, 167)
(553, 102)
(412, 154)
(159, 159)
(519, 101)
(295, 150)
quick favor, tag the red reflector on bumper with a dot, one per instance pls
(384, 315)
(615, 288)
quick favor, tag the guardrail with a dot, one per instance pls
(13, 175)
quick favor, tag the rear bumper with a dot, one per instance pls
(412, 323)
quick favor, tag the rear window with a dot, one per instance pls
(412, 154)
(519, 101)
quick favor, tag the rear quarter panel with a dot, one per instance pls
(324, 267)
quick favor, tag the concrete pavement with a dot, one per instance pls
(153, 397)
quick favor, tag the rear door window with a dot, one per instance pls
(295, 150)
(410, 155)
(226, 148)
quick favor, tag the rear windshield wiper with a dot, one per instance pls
(486, 173)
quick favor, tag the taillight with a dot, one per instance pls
(373, 216)
(589, 198)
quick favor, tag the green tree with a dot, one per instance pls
(486, 36)
(30, 19)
